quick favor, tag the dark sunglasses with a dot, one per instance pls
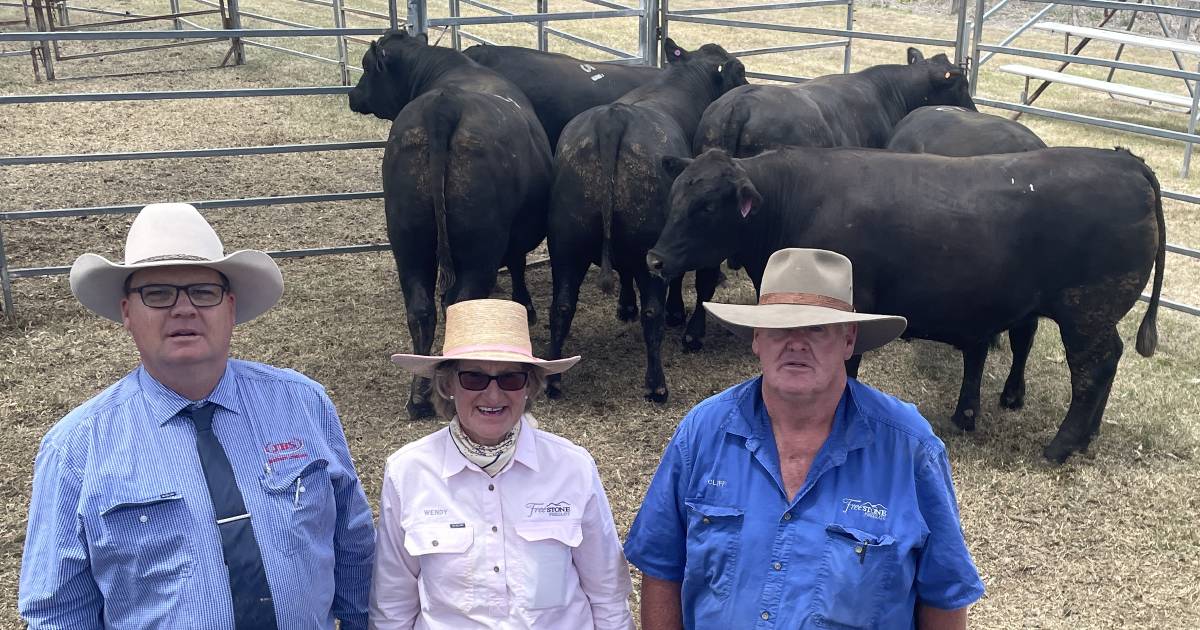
(166, 295)
(478, 381)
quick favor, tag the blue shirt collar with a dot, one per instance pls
(850, 429)
(164, 403)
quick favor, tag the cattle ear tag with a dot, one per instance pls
(678, 53)
(720, 68)
(947, 75)
(746, 206)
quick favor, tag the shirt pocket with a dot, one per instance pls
(855, 572)
(548, 565)
(301, 506)
(148, 541)
(446, 575)
(713, 542)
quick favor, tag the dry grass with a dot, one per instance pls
(1106, 540)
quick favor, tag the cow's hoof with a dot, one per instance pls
(1012, 399)
(676, 319)
(657, 395)
(627, 313)
(692, 344)
(419, 409)
(554, 391)
(964, 420)
(1056, 453)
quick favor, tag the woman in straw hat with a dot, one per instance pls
(492, 522)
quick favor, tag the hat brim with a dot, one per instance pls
(254, 279)
(424, 365)
(874, 331)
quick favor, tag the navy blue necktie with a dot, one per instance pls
(253, 608)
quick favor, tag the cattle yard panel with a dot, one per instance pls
(1189, 138)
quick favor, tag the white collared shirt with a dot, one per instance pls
(533, 547)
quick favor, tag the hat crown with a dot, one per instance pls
(487, 324)
(813, 271)
(171, 231)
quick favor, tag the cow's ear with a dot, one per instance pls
(423, 39)
(672, 51)
(940, 58)
(748, 199)
(915, 56)
(675, 165)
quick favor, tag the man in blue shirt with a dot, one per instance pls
(197, 492)
(802, 498)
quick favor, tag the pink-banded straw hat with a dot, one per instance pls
(484, 330)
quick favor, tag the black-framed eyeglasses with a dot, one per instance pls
(478, 381)
(166, 295)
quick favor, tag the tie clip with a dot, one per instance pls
(222, 521)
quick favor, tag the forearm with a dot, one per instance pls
(930, 618)
(662, 604)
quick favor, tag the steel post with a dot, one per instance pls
(543, 6)
(849, 40)
(660, 32)
(393, 14)
(962, 35)
(5, 281)
(1187, 152)
(418, 17)
(976, 38)
(455, 35)
(652, 26)
(339, 21)
(235, 22)
(177, 24)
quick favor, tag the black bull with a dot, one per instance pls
(962, 247)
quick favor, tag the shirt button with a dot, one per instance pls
(496, 569)
(495, 529)
(491, 486)
(143, 518)
(766, 615)
(705, 520)
(435, 543)
(778, 566)
(787, 516)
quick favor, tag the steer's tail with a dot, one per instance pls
(1147, 337)
(732, 126)
(610, 131)
(441, 119)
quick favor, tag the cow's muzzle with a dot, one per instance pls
(654, 263)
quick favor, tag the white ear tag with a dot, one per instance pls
(745, 208)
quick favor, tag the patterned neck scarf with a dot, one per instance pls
(491, 459)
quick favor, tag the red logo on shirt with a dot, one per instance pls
(280, 448)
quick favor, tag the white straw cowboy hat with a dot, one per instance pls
(808, 287)
(172, 234)
(484, 330)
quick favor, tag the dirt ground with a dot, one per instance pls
(1108, 539)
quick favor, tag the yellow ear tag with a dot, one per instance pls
(947, 75)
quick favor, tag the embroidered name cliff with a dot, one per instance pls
(560, 509)
(876, 511)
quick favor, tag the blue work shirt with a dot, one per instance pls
(121, 526)
(873, 531)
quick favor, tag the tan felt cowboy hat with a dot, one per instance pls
(484, 330)
(808, 287)
(171, 234)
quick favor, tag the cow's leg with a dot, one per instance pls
(974, 356)
(1092, 356)
(520, 292)
(675, 313)
(627, 308)
(1020, 338)
(567, 278)
(653, 292)
(706, 286)
(420, 308)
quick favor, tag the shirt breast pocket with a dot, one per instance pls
(148, 539)
(857, 568)
(446, 567)
(301, 506)
(548, 563)
(713, 542)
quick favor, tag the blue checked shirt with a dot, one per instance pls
(121, 527)
(872, 533)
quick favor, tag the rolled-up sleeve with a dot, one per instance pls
(57, 590)
(603, 571)
(394, 595)
(353, 537)
(657, 541)
(946, 576)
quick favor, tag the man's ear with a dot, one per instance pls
(915, 56)
(125, 312)
(851, 340)
(675, 165)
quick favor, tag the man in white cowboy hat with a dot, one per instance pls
(197, 492)
(802, 498)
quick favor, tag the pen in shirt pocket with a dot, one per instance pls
(299, 489)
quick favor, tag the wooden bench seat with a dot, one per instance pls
(1128, 91)
(1122, 37)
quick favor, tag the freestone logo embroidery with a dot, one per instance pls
(877, 511)
(560, 509)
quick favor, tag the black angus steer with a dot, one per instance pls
(841, 110)
(608, 202)
(466, 174)
(561, 87)
(962, 247)
(960, 132)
